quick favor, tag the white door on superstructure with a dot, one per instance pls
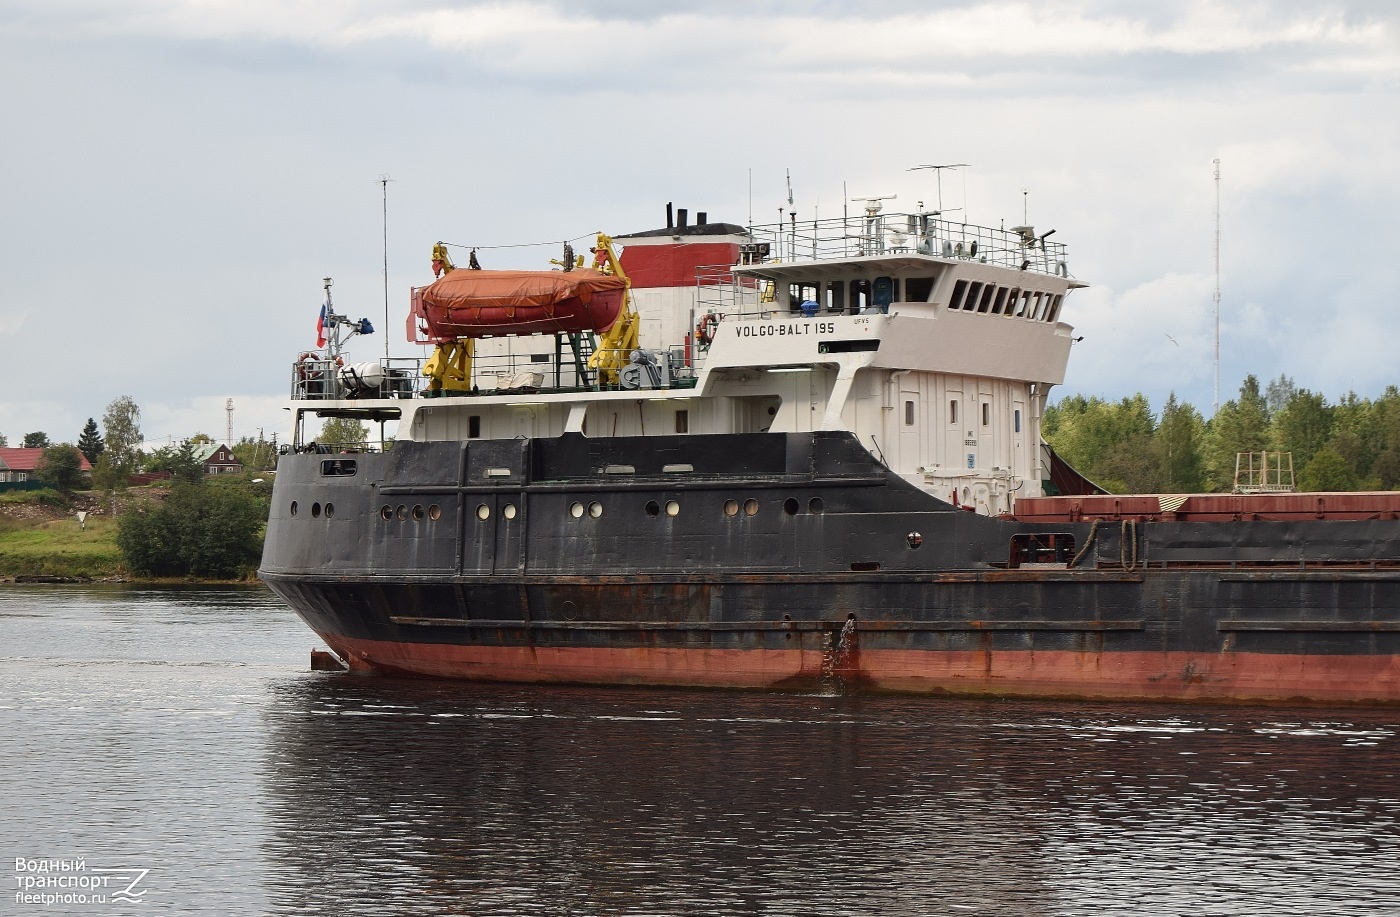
(1019, 466)
(909, 420)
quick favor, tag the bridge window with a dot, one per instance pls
(959, 289)
(973, 291)
(836, 297)
(1000, 301)
(987, 293)
(860, 296)
(918, 289)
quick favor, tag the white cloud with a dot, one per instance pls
(900, 48)
(13, 322)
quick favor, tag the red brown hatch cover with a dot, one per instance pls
(1211, 507)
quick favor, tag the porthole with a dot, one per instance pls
(914, 539)
(483, 512)
(509, 511)
(595, 510)
(815, 505)
(653, 508)
(576, 510)
(293, 508)
(791, 506)
(418, 512)
(386, 512)
(402, 512)
(731, 507)
(751, 507)
(315, 511)
(330, 510)
(434, 512)
(672, 508)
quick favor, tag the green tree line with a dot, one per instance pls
(1353, 444)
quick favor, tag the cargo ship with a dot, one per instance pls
(802, 456)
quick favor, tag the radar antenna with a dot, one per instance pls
(938, 171)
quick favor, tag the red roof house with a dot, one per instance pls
(19, 464)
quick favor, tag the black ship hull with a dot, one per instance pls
(797, 561)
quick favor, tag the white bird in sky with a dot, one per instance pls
(1172, 339)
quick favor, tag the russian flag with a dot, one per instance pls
(321, 327)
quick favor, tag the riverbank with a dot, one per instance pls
(44, 542)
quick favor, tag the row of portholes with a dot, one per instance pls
(791, 506)
(731, 507)
(577, 510)
(402, 513)
(316, 510)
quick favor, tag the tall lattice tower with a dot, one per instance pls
(228, 431)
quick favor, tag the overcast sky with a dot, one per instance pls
(180, 174)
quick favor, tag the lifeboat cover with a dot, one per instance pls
(467, 303)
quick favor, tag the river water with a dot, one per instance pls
(180, 731)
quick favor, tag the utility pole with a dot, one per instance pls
(1217, 287)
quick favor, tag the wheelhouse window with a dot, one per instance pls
(1000, 301)
(918, 289)
(836, 297)
(959, 289)
(860, 296)
(974, 290)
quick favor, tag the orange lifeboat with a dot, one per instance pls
(473, 304)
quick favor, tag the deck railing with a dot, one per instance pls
(874, 234)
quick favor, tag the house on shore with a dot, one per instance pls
(218, 459)
(17, 464)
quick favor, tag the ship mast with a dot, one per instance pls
(384, 180)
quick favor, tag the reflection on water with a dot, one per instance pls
(182, 727)
(582, 801)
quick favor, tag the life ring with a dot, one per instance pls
(309, 365)
(707, 326)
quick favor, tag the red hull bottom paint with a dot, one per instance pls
(1232, 677)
